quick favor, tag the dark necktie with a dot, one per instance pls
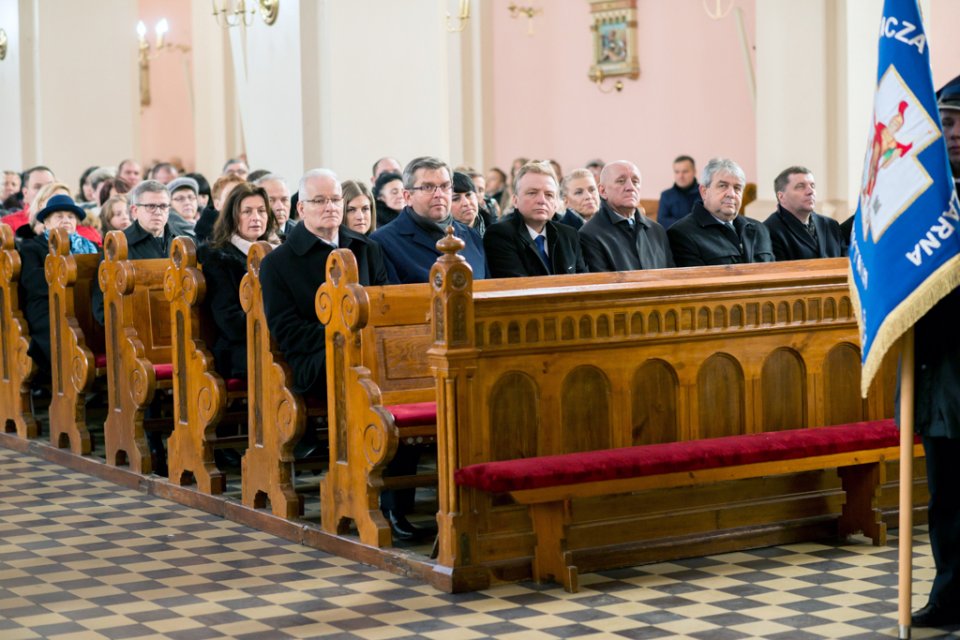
(541, 243)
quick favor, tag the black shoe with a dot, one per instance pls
(401, 527)
(935, 615)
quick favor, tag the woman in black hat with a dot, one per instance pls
(60, 212)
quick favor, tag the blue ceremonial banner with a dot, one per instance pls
(905, 245)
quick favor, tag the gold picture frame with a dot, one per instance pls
(614, 27)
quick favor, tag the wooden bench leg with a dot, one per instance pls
(551, 558)
(861, 511)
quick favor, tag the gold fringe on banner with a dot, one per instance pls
(906, 314)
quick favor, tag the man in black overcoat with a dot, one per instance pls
(937, 413)
(619, 237)
(290, 276)
(796, 232)
(527, 242)
(714, 232)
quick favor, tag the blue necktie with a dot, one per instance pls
(541, 243)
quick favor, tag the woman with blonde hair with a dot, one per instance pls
(114, 214)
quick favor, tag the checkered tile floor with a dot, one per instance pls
(81, 558)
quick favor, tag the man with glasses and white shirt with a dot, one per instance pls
(409, 242)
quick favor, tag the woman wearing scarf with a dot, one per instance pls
(245, 219)
(60, 212)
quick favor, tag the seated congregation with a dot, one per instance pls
(423, 332)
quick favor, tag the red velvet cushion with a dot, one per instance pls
(100, 360)
(414, 413)
(236, 384)
(692, 455)
(163, 371)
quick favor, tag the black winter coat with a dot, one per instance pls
(610, 243)
(290, 277)
(223, 269)
(791, 241)
(700, 239)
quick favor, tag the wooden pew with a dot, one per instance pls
(277, 415)
(138, 346)
(200, 394)
(661, 356)
(549, 484)
(77, 349)
(16, 367)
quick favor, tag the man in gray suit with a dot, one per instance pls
(619, 237)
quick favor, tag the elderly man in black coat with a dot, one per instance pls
(796, 232)
(713, 233)
(290, 276)
(528, 242)
(619, 237)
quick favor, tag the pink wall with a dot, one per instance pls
(166, 126)
(692, 95)
(944, 43)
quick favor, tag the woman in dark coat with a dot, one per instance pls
(60, 212)
(246, 218)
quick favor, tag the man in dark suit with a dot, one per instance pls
(714, 233)
(528, 242)
(619, 237)
(796, 232)
(937, 413)
(409, 242)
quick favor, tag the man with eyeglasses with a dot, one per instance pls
(184, 209)
(148, 238)
(409, 242)
(279, 194)
(291, 275)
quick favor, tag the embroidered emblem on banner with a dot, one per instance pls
(902, 128)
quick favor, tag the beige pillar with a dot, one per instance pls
(57, 110)
(816, 71)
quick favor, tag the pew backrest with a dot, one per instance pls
(77, 350)
(16, 366)
(277, 415)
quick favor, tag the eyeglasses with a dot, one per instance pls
(321, 201)
(446, 187)
(186, 197)
(154, 208)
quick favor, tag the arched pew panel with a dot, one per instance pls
(199, 393)
(16, 367)
(137, 332)
(77, 347)
(277, 415)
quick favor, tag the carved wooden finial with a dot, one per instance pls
(6, 236)
(450, 244)
(59, 242)
(183, 252)
(115, 246)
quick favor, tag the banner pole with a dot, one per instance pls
(905, 586)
